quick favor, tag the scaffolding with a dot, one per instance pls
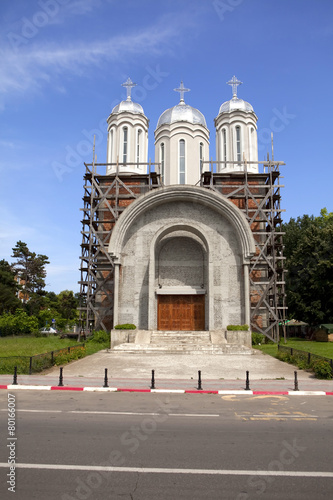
(105, 197)
(258, 196)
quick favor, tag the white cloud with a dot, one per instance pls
(34, 65)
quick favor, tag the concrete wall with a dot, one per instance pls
(129, 337)
(180, 261)
(239, 337)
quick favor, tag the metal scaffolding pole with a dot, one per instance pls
(105, 197)
(258, 196)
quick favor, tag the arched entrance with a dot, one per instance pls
(181, 274)
(181, 280)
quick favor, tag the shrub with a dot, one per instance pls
(285, 356)
(258, 338)
(125, 326)
(100, 337)
(302, 364)
(236, 327)
(64, 357)
(322, 369)
(18, 323)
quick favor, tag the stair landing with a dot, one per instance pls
(181, 342)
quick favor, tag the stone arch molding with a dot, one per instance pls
(194, 194)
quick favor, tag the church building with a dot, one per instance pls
(184, 243)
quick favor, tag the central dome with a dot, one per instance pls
(236, 104)
(182, 113)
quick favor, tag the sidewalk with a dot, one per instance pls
(175, 373)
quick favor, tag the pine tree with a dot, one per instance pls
(30, 270)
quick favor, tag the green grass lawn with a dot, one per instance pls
(29, 345)
(21, 348)
(321, 348)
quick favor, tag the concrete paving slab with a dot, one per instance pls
(182, 366)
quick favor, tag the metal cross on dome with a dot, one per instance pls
(234, 82)
(181, 90)
(129, 85)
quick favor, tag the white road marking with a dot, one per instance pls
(307, 393)
(193, 415)
(40, 411)
(156, 470)
(27, 387)
(140, 414)
(100, 389)
(113, 412)
(270, 415)
(176, 391)
(235, 392)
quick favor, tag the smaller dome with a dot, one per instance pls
(128, 106)
(236, 104)
(181, 113)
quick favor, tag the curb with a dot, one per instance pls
(169, 391)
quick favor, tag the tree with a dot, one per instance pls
(309, 260)
(9, 301)
(68, 304)
(30, 269)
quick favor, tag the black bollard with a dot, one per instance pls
(15, 376)
(199, 381)
(152, 379)
(61, 378)
(247, 386)
(296, 382)
(106, 378)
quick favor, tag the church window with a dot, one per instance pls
(181, 161)
(252, 155)
(201, 156)
(224, 141)
(138, 146)
(110, 146)
(238, 143)
(125, 132)
(162, 161)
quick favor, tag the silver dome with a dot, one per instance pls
(181, 113)
(128, 106)
(236, 104)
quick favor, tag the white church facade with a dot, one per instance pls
(175, 244)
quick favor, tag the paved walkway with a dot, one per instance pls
(219, 372)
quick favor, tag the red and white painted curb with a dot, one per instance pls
(168, 391)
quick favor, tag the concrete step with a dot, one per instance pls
(180, 338)
(131, 348)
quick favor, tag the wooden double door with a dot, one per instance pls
(181, 312)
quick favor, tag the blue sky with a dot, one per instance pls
(62, 66)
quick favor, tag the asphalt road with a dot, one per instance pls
(154, 446)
